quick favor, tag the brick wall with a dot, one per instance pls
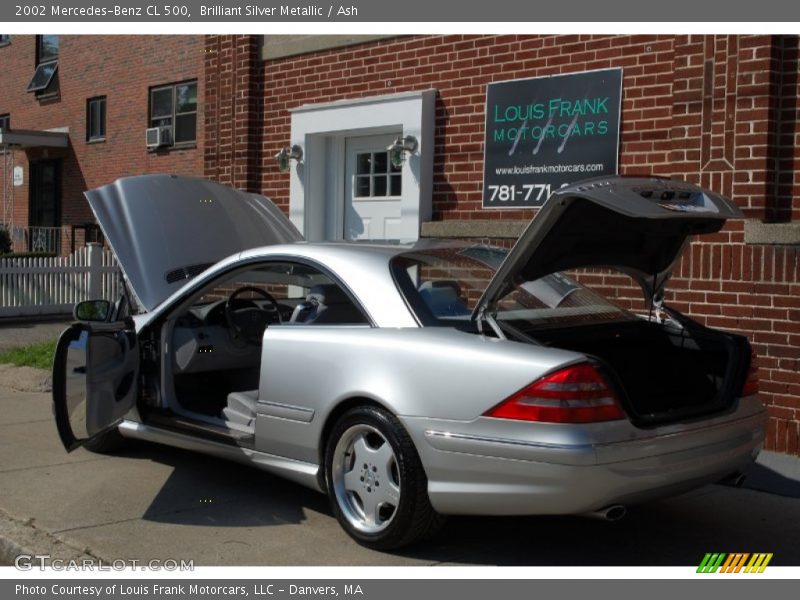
(234, 110)
(716, 110)
(120, 67)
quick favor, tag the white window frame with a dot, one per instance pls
(371, 176)
(316, 187)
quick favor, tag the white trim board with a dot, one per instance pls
(315, 198)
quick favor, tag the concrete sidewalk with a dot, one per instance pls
(156, 502)
(774, 473)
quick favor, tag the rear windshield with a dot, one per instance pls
(443, 285)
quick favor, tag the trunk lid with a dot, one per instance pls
(638, 225)
(166, 229)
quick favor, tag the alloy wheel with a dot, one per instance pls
(366, 478)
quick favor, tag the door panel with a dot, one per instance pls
(94, 380)
(373, 190)
(391, 228)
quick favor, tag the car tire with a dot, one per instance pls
(368, 447)
(110, 441)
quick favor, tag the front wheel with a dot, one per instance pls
(376, 483)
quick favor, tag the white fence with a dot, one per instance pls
(52, 286)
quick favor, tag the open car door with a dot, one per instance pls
(95, 374)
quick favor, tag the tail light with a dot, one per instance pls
(751, 383)
(574, 394)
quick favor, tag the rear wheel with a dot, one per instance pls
(376, 483)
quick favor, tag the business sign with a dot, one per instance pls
(18, 176)
(546, 132)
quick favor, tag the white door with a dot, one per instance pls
(373, 190)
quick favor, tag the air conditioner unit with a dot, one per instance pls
(155, 137)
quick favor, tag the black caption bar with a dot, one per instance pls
(396, 589)
(259, 11)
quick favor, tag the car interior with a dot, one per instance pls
(210, 371)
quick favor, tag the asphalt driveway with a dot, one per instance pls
(158, 502)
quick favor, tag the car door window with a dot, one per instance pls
(303, 294)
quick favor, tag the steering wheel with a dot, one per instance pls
(250, 321)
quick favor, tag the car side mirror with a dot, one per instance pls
(92, 310)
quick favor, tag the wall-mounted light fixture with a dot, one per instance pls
(400, 148)
(286, 154)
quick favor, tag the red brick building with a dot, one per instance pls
(100, 97)
(721, 111)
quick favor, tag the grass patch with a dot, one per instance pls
(39, 356)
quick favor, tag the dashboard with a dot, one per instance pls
(202, 340)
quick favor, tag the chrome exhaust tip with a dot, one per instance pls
(612, 513)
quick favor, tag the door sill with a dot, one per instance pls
(202, 429)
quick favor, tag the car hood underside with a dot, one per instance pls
(166, 229)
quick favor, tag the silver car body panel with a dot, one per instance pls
(477, 474)
(411, 372)
(474, 464)
(483, 465)
(165, 229)
(439, 382)
(299, 472)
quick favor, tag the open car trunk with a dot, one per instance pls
(638, 226)
(663, 373)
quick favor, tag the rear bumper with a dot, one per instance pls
(470, 473)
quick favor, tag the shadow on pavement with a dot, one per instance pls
(221, 493)
(764, 479)
(662, 534)
(673, 532)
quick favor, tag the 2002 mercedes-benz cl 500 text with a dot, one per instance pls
(413, 382)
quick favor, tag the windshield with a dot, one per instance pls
(443, 285)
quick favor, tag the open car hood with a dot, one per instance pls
(165, 229)
(635, 225)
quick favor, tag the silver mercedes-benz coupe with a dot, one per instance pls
(413, 382)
